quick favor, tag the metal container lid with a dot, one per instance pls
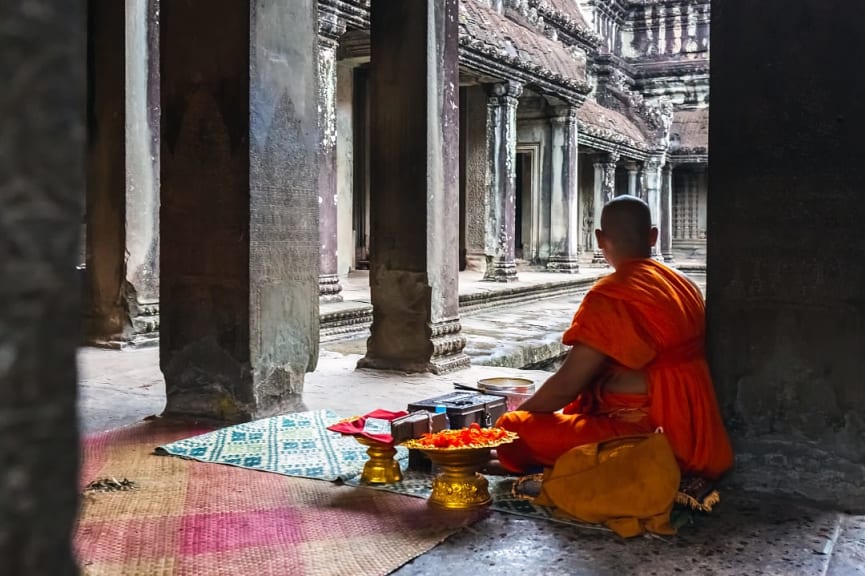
(507, 384)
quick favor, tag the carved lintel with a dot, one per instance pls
(330, 27)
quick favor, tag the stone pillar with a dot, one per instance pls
(329, 31)
(123, 174)
(666, 227)
(499, 239)
(239, 288)
(42, 55)
(605, 190)
(786, 315)
(414, 130)
(652, 186)
(564, 213)
(633, 179)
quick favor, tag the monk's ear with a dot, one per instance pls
(599, 236)
(653, 236)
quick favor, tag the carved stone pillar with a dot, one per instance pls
(414, 171)
(501, 181)
(564, 214)
(123, 174)
(652, 187)
(239, 214)
(666, 228)
(605, 190)
(329, 31)
(633, 179)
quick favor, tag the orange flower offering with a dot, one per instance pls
(472, 437)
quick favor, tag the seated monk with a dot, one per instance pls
(637, 362)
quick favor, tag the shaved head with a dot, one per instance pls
(626, 226)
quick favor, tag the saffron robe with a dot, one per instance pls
(646, 317)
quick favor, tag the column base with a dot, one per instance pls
(563, 264)
(500, 270)
(448, 356)
(656, 255)
(264, 392)
(668, 257)
(448, 344)
(598, 258)
(329, 288)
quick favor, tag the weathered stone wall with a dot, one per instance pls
(42, 60)
(786, 318)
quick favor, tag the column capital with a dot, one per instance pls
(606, 159)
(502, 92)
(632, 167)
(653, 163)
(564, 113)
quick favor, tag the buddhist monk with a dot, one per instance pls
(637, 362)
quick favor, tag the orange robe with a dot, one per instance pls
(646, 317)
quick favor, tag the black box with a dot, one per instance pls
(464, 408)
(415, 425)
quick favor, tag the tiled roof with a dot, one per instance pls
(609, 125)
(690, 130)
(514, 42)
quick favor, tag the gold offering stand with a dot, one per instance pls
(381, 468)
(459, 485)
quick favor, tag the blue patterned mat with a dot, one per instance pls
(291, 444)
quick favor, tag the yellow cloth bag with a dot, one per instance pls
(628, 483)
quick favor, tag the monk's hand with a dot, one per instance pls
(580, 368)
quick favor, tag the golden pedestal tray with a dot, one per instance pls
(381, 468)
(459, 485)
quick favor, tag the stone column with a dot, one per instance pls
(564, 214)
(329, 31)
(633, 179)
(605, 190)
(499, 239)
(239, 287)
(123, 174)
(666, 228)
(414, 172)
(652, 186)
(42, 55)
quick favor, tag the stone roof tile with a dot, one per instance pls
(569, 9)
(609, 125)
(508, 38)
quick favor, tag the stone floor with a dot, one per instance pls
(748, 534)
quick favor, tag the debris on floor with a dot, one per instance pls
(110, 485)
